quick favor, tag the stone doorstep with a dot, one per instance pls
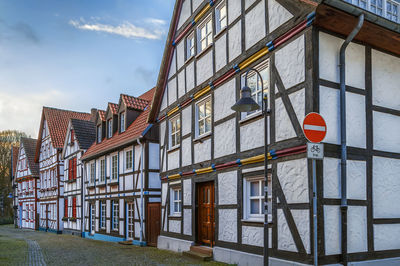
(203, 250)
(197, 255)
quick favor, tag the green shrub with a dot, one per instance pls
(6, 220)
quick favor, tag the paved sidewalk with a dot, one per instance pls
(35, 257)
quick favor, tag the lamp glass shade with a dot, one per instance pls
(246, 103)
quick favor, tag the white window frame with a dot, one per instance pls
(109, 128)
(102, 173)
(92, 173)
(122, 121)
(115, 215)
(103, 210)
(190, 49)
(177, 201)
(199, 105)
(247, 198)
(379, 10)
(129, 159)
(265, 65)
(220, 20)
(208, 38)
(114, 167)
(174, 134)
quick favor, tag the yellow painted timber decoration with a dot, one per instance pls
(174, 176)
(173, 110)
(254, 58)
(202, 92)
(202, 12)
(204, 170)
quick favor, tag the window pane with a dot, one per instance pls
(254, 206)
(208, 108)
(208, 124)
(223, 23)
(201, 127)
(209, 39)
(203, 32)
(201, 111)
(254, 188)
(223, 12)
(209, 26)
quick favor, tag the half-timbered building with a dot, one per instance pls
(211, 158)
(48, 154)
(27, 184)
(80, 136)
(122, 185)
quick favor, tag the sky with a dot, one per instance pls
(76, 54)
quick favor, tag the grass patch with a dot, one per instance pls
(13, 251)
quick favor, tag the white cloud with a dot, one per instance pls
(126, 29)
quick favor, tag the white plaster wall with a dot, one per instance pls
(283, 126)
(220, 52)
(164, 190)
(357, 229)
(356, 179)
(255, 24)
(234, 10)
(299, 103)
(224, 98)
(180, 53)
(386, 236)
(302, 221)
(172, 69)
(355, 117)
(385, 80)
(277, 15)
(187, 221)
(332, 229)
(181, 83)
(186, 151)
(285, 238)
(187, 192)
(227, 188)
(329, 47)
(293, 177)
(172, 91)
(225, 138)
(190, 76)
(173, 159)
(162, 132)
(253, 236)
(175, 226)
(137, 158)
(137, 229)
(252, 135)
(164, 101)
(386, 132)
(386, 187)
(154, 155)
(186, 120)
(164, 160)
(289, 62)
(196, 4)
(185, 13)
(248, 3)
(204, 69)
(154, 180)
(235, 40)
(202, 151)
(227, 225)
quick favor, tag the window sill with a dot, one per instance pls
(172, 149)
(201, 138)
(114, 182)
(255, 115)
(175, 216)
(220, 32)
(189, 59)
(204, 51)
(103, 184)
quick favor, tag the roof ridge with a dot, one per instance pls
(64, 110)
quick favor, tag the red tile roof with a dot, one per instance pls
(114, 108)
(102, 115)
(134, 103)
(57, 121)
(134, 131)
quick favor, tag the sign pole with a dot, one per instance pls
(314, 171)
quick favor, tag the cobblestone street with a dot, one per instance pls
(26, 247)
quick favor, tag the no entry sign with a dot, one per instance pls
(314, 127)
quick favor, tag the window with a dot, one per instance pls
(392, 11)
(377, 7)
(190, 46)
(102, 215)
(254, 83)
(122, 122)
(175, 131)
(66, 207)
(115, 215)
(102, 171)
(109, 128)
(220, 17)
(71, 169)
(114, 167)
(385, 8)
(176, 201)
(204, 34)
(128, 159)
(98, 134)
(92, 173)
(74, 207)
(72, 136)
(254, 198)
(203, 117)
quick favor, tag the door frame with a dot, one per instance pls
(198, 185)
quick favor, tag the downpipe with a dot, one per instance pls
(141, 191)
(343, 135)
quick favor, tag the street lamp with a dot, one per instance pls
(247, 104)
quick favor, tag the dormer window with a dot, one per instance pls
(109, 128)
(99, 134)
(122, 121)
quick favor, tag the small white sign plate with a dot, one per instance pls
(315, 151)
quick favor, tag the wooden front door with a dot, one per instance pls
(153, 222)
(205, 213)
